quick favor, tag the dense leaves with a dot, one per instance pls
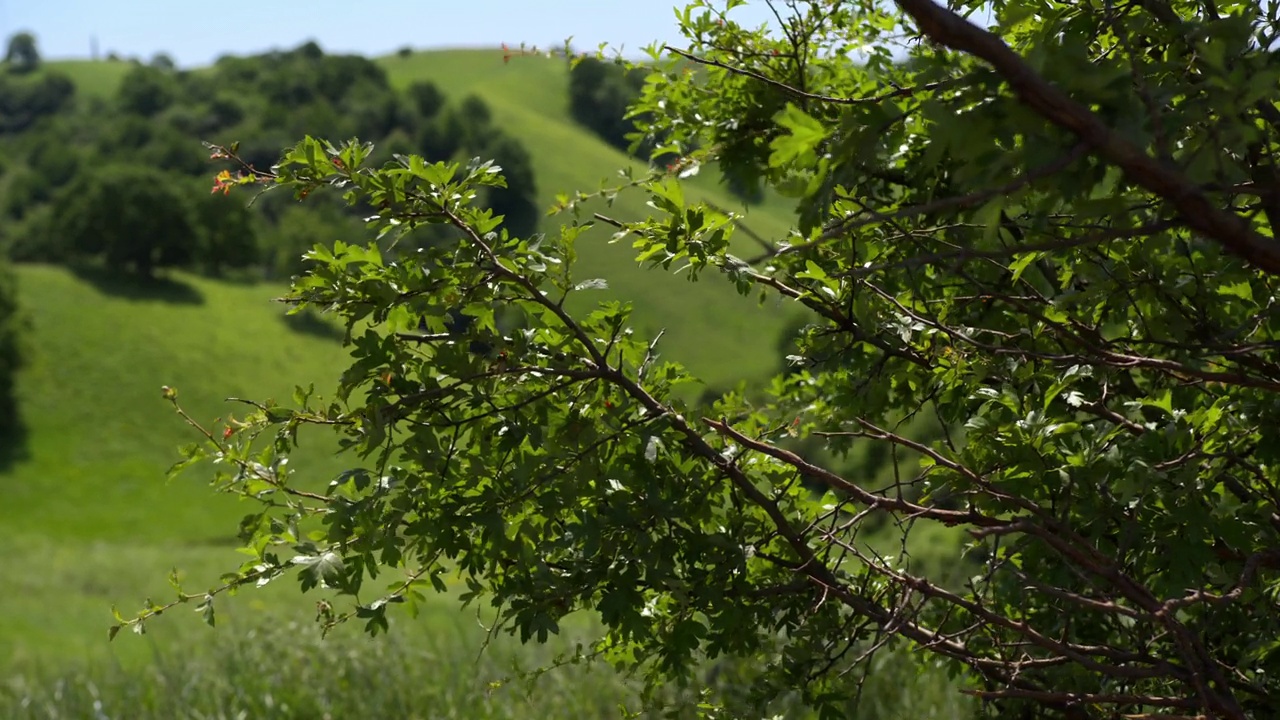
(1055, 238)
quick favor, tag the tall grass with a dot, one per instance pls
(288, 672)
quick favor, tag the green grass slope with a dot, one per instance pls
(93, 78)
(92, 520)
(99, 436)
(83, 496)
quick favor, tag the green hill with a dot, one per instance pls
(83, 495)
(92, 521)
(93, 78)
(721, 336)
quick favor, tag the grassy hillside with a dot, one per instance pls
(99, 436)
(83, 495)
(99, 78)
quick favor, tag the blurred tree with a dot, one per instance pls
(12, 325)
(426, 98)
(443, 137)
(599, 95)
(518, 201)
(22, 56)
(24, 101)
(228, 239)
(162, 61)
(131, 216)
(145, 91)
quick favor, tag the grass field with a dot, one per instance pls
(83, 492)
(100, 79)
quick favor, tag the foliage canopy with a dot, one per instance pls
(1055, 236)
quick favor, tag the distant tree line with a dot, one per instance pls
(123, 180)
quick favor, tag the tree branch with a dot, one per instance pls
(1054, 105)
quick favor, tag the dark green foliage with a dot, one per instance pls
(54, 160)
(147, 90)
(517, 202)
(24, 191)
(12, 328)
(475, 114)
(426, 98)
(442, 137)
(228, 236)
(29, 239)
(26, 99)
(126, 135)
(298, 230)
(130, 216)
(224, 111)
(600, 94)
(162, 61)
(171, 150)
(376, 112)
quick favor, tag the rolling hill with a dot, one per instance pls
(83, 495)
(90, 517)
(721, 336)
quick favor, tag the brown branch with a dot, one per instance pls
(966, 254)
(1066, 698)
(1226, 228)
(835, 482)
(956, 202)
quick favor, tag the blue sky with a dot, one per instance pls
(195, 33)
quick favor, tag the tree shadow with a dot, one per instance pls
(128, 285)
(310, 322)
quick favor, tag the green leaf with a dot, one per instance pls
(801, 142)
(325, 569)
(1242, 290)
(1021, 262)
(205, 608)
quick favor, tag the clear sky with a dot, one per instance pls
(196, 33)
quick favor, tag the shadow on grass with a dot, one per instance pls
(125, 284)
(309, 322)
